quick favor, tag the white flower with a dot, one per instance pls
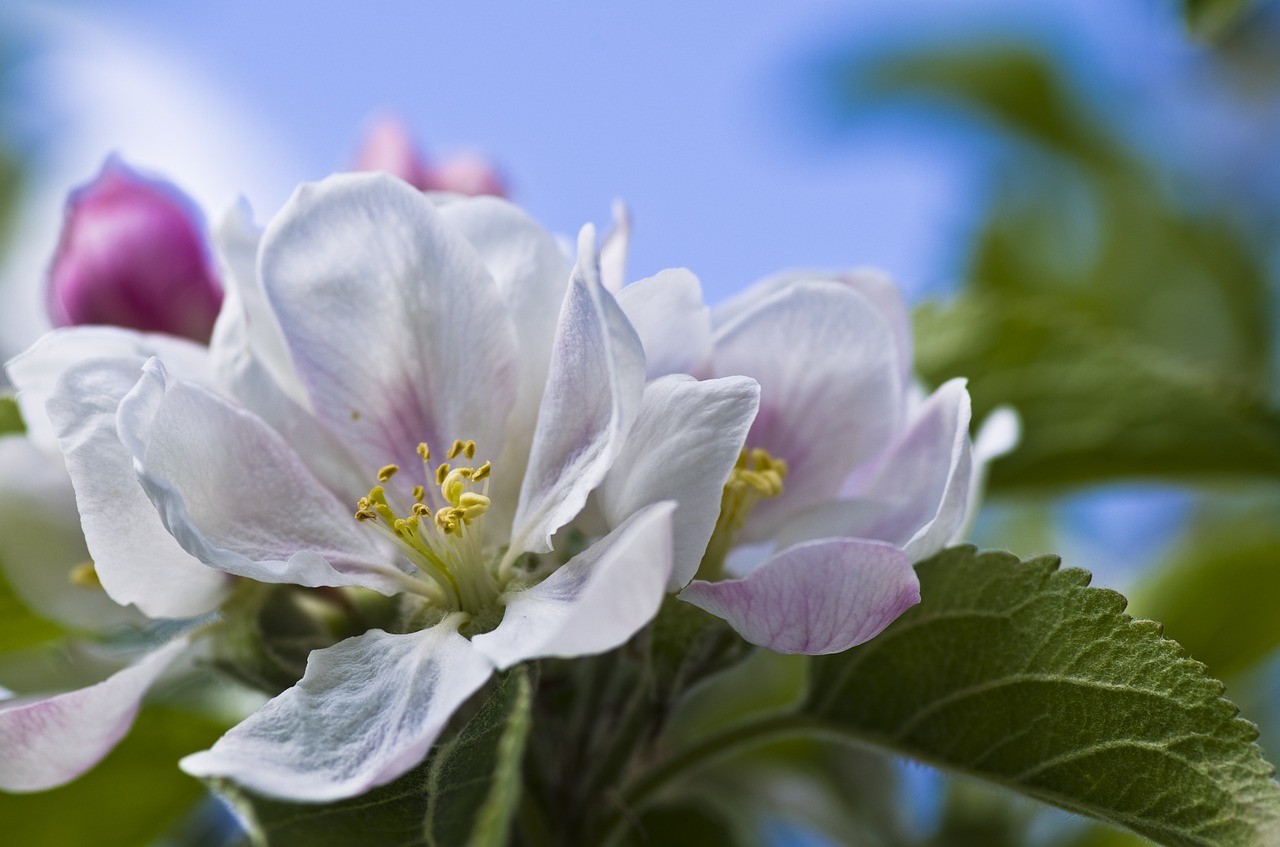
(848, 476)
(411, 398)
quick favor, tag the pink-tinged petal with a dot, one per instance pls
(593, 603)
(815, 598)
(395, 327)
(51, 741)
(613, 250)
(35, 372)
(830, 395)
(682, 447)
(673, 323)
(136, 559)
(532, 274)
(236, 496)
(366, 710)
(592, 396)
(40, 545)
(923, 480)
(873, 284)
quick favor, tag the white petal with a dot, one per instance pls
(394, 325)
(682, 447)
(40, 541)
(613, 250)
(997, 435)
(830, 395)
(366, 710)
(35, 373)
(928, 472)
(247, 327)
(136, 558)
(673, 323)
(873, 284)
(593, 603)
(592, 397)
(915, 495)
(532, 273)
(815, 598)
(50, 741)
(235, 495)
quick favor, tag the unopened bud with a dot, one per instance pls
(388, 147)
(132, 254)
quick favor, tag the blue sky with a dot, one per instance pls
(702, 117)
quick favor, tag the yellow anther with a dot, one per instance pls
(466, 472)
(366, 515)
(386, 472)
(424, 451)
(402, 528)
(441, 473)
(469, 449)
(418, 493)
(473, 505)
(421, 510)
(363, 503)
(85, 575)
(451, 487)
(481, 472)
(454, 449)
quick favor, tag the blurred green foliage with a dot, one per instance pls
(1213, 18)
(1133, 334)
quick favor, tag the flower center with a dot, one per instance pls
(442, 530)
(756, 476)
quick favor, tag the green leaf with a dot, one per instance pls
(1018, 673)
(1210, 19)
(11, 422)
(132, 797)
(464, 793)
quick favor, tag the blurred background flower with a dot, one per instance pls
(1081, 196)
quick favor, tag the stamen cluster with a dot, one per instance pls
(439, 532)
(756, 476)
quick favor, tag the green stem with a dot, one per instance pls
(651, 784)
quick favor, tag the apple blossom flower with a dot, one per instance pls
(388, 147)
(848, 474)
(414, 399)
(132, 254)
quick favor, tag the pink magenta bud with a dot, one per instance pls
(468, 174)
(389, 147)
(132, 254)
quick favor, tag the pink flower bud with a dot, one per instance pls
(132, 254)
(468, 174)
(389, 147)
